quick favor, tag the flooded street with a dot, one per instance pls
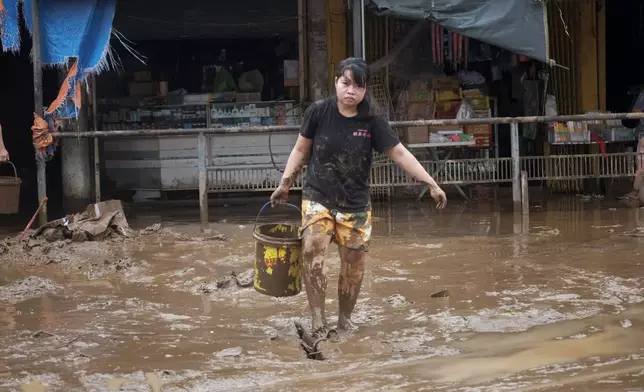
(553, 304)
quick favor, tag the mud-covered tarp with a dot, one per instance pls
(515, 25)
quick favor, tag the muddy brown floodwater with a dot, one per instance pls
(553, 304)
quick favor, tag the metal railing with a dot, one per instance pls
(516, 170)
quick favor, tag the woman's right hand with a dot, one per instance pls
(4, 155)
(280, 196)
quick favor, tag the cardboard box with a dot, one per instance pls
(472, 93)
(482, 141)
(479, 103)
(416, 111)
(446, 115)
(479, 129)
(446, 128)
(445, 83)
(418, 92)
(142, 76)
(143, 89)
(448, 106)
(413, 135)
(448, 94)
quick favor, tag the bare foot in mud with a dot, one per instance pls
(345, 324)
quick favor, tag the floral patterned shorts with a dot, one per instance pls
(349, 229)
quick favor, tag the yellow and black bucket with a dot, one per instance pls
(278, 258)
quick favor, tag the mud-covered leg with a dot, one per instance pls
(349, 284)
(314, 245)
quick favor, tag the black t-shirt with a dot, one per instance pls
(341, 154)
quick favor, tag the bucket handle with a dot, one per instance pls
(268, 203)
(15, 172)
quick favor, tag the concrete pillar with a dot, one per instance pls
(76, 169)
(318, 65)
(516, 166)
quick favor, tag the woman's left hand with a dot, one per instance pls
(439, 197)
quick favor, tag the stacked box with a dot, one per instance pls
(448, 96)
(419, 107)
(480, 103)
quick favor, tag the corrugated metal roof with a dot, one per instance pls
(165, 19)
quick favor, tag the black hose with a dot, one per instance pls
(270, 150)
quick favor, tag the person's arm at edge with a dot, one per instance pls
(3, 150)
(1, 141)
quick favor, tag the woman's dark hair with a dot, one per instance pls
(359, 69)
(361, 76)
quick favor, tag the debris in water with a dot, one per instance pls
(43, 334)
(428, 246)
(98, 222)
(230, 352)
(397, 301)
(185, 238)
(546, 231)
(440, 294)
(310, 344)
(30, 287)
(246, 278)
(637, 232)
(152, 229)
(626, 323)
(231, 280)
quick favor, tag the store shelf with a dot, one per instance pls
(446, 144)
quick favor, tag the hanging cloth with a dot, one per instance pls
(69, 29)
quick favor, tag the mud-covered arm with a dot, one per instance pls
(300, 154)
(296, 160)
(410, 165)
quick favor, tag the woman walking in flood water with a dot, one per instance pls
(336, 142)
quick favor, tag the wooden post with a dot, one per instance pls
(36, 57)
(97, 154)
(302, 47)
(357, 18)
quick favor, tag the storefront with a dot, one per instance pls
(214, 66)
(433, 66)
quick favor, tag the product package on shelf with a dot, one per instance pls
(241, 114)
(569, 132)
(154, 117)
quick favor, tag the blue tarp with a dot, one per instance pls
(78, 29)
(69, 28)
(515, 25)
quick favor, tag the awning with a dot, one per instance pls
(519, 26)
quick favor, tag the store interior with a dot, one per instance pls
(175, 41)
(191, 65)
(624, 54)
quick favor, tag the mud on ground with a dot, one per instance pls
(559, 306)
